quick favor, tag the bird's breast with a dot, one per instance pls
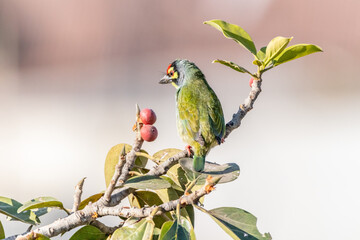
(183, 131)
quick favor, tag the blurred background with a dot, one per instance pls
(71, 73)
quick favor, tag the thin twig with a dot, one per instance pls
(117, 173)
(130, 159)
(161, 169)
(119, 194)
(77, 195)
(105, 229)
(245, 107)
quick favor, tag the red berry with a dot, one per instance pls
(147, 116)
(251, 81)
(149, 133)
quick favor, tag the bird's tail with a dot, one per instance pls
(198, 163)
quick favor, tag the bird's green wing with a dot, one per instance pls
(188, 112)
(216, 115)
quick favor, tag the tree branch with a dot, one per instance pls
(165, 207)
(244, 108)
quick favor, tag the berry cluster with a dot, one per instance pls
(148, 132)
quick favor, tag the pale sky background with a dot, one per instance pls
(71, 73)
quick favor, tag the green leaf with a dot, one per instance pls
(190, 214)
(257, 62)
(10, 208)
(147, 182)
(239, 224)
(232, 65)
(141, 198)
(181, 229)
(164, 229)
(176, 173)
(41, 211)
(88, 233)
(234, 32)
(172, 183)
(261, 54)
(275, 47)
(143, 230)
(296, 51)
(227, 172)
(156, 233)
(112, 159)
(93, 198)
(140, 162)
(41, 202)
(2, 232)
(167, 195)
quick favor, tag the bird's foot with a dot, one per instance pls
(188, 149)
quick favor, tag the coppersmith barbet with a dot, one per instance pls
(200, 118)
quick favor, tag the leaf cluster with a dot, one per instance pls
(149, 190)
(275, 53)
(178, 181)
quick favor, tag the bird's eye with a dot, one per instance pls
(172, 73)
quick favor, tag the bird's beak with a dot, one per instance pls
(166, 79)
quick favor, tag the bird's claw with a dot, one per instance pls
(188, 149)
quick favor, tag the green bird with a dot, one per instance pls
(200, 118)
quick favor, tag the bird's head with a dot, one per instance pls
(175, 73)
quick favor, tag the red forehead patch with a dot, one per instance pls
(167, 70)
